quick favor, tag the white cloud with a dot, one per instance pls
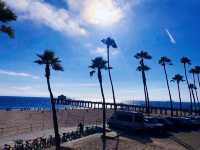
(44, 13)
(98, 12)
(17, 74)
(172, 40)
(103, 51)
(21, 88)
(75, 85)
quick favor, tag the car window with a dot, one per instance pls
(124, 117)
(139, 119)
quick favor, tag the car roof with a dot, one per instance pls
(129, 113)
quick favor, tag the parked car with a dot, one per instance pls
(182, 122)
(195, 121)
(168, 125)
(127, 120)
(152, 124)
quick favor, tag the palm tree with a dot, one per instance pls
(193, 71)
(197, 68)
(110, 42)
(186, 61)
(6, 15)
(192, 87)
(178, 78)
(97, 65)
(141, 56)
(163, 62)
(49, 59)
(142, 69)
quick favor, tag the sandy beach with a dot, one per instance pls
(17, 122)
(29, 124)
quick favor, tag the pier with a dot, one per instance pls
(121, 106)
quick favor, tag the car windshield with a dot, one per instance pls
(153, 120)
(139, 119)
(124, 117)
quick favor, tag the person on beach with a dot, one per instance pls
(81, 128)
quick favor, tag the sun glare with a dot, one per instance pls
(102, 12)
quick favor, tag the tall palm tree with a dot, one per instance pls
(50, 61)
(178, 78)
(6, 15)
(141, 56)
(110, 42)
(193, 71)
(197, 68)
(143, 69)
(163, 62)
(186, 61)
(192, 87)
(97, 65)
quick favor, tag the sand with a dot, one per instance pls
(36, 123)
(19, 122)
(172, 141)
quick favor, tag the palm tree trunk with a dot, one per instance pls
(112, 87)
(197, 98)
(170, 97)
(194, 100)
(145, 92)
(199, 87)
(103, 105)
(191, 107)
(179, 94)
(198, 80)
(55, 123)
(144, 84)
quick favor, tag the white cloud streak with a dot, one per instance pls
(22, 88)
(171, 38)
(40, 12)
(17, 74)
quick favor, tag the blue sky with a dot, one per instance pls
(74, 28)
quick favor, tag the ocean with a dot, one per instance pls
(17, 102)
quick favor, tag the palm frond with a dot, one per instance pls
(8, 30)
(57, 67)
(6, 14)
(99, 62)
(164, 60)
(110, 42)
(142, 55)
(197, 68)
(40, 62)
(178, 78)
(191, 86)
(143, 68)
(185, 60)
(92, 73)
(192, 70)
(104, 41)
(172, 80)
(48, 58)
